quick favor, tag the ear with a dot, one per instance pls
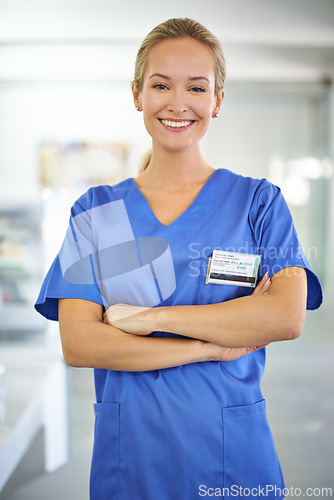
(136, 96)
(218, 103)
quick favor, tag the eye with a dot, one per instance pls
(198, 89)
(159, 86)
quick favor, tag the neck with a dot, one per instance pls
(176, 169)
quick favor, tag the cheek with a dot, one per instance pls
(149, 112)
(148, 125)
(205, 107)
(152, 101)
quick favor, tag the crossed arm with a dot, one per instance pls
(216, 332)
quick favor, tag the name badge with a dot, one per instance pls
(229, 268)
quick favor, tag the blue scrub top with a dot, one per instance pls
(196, 429)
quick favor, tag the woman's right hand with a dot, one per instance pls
(219, 353)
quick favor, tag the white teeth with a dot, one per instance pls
(175, 124)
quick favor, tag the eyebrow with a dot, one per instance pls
(160, 76)
(193, 78)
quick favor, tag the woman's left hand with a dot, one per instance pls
(130, 319)
(263, 286)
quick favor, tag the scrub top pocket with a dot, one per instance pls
(105, 462)
(250, 458)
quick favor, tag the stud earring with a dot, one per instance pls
(138, 109)
(216, 115)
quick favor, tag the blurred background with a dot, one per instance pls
(67, 122)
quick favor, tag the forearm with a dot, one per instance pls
(97, 345)
(258, 319)
(243, 322)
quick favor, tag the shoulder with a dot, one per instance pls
(99, 195)
(245, 184)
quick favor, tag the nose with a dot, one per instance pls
(177, 102)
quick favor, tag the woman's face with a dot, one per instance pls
(178, 96)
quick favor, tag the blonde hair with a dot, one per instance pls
(178, 28)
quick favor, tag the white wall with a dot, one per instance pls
(33, 113)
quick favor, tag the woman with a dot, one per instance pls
(154, 287)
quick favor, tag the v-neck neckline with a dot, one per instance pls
(182, 214)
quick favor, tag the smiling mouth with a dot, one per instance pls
(169, 123)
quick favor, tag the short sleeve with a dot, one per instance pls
(72, 273)
(276, 238)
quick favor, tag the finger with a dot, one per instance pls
(263, 280)
(266, 286)
(123, 311)
(258, 347)
(263, 286)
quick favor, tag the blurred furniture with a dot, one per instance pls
(34, 431)
(21, 267)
